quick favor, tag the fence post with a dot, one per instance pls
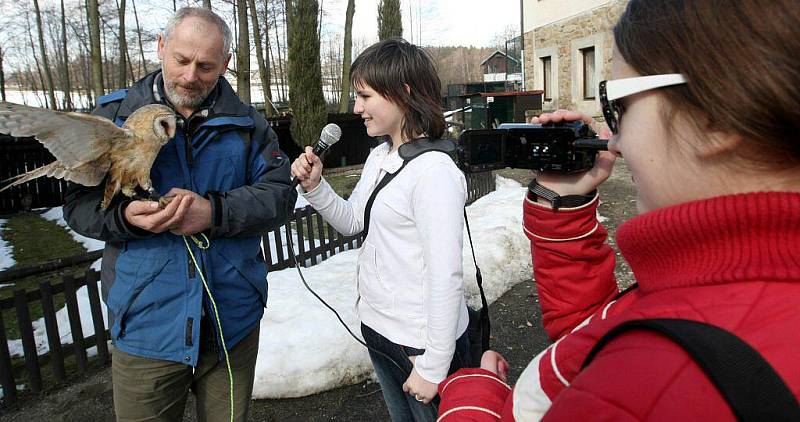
(97, 315)
(6, 371)
(323, 239)
(51, 325)
(312, 244)
(75, 323)
(301, 247)
(28, 343)
(267, 250)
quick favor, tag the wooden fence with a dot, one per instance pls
(314, 240)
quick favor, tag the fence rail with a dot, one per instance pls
(314, 240)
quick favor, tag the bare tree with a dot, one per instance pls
(50, 88)
(263, 69)
(344, 98)
(122, 81)
(207, 4)
(280, 49)
(35, 58)
(243, 53)
(94, 41)
(139, 37)
(65, 72)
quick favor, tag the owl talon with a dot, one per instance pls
(165, 200)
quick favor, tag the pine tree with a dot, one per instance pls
(390, 22)
(305, 73)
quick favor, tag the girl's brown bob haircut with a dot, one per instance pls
(740, 58)
(404, 74)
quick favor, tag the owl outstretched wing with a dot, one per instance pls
(73, 138)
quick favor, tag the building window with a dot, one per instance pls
(547, 78)
(589, 85)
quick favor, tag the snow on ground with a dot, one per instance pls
(303, 347)
(6, 254)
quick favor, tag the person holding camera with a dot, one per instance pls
(704, 107)
(411, 300)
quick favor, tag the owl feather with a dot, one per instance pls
(88, 148)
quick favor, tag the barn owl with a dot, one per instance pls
(88, 147)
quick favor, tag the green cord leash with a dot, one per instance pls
(203, 245)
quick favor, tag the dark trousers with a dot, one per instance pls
(156, 390)
(403, 406)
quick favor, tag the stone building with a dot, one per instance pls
(568, 47)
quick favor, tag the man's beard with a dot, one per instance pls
(187, 100)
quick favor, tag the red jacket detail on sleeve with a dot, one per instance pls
(468, 387)
(573, 267)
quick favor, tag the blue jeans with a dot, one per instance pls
(402, 406)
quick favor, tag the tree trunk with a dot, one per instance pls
(280, 56)
(390, 21)
(344, 98)
(243, 53)
(105, 59)
(35, 59)
(94, 42)
(305, 75)
(67, 83)
(207, 4)
(50, 88)
(122, 79)
(139, 37)
(2, 77)
(263, 69)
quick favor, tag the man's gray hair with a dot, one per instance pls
(202, 13)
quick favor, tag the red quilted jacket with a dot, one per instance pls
(731, 261)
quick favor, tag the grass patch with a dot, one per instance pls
(34, 241)
(344, 183)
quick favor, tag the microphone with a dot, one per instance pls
(329, 136)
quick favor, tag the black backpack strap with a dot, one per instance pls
(752, 388)
(385, 181)
(408, 151)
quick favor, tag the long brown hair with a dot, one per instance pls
(742, 61)
(391, 65)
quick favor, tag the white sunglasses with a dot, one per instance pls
(613, 90)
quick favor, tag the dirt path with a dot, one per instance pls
(516, 330)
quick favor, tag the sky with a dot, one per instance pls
(296, 328)
(444, 22)
(435, 22)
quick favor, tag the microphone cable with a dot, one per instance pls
(290, 244)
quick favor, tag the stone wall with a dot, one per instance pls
(562, 41)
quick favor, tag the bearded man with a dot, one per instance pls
(180, 309)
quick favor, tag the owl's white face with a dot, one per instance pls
(164, 127)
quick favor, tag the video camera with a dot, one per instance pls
(569, 147)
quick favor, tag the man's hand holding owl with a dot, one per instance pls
(187, 213)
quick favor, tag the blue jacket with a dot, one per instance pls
(226, 152)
